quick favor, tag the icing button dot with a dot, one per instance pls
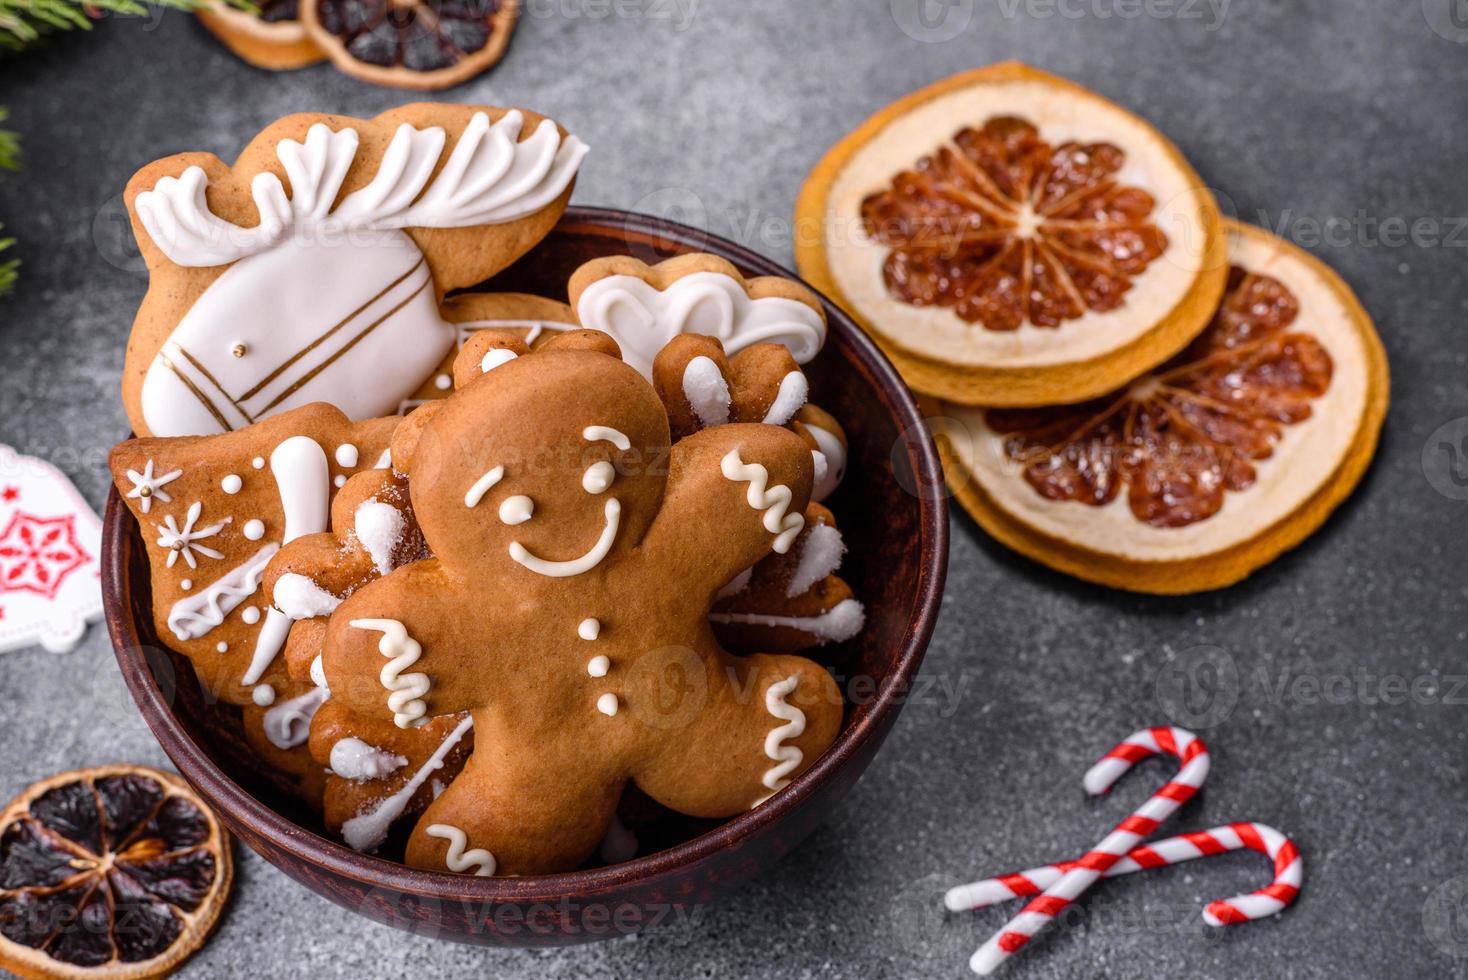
(263, 695)
(251, 615)
(231, 484)
(340, 482)
(443, 382)
(589, 629)
(186, 584)
(222, 647)
(258, 462)
(254, 530)
(347, 455)
(607, 704)
(598, 666)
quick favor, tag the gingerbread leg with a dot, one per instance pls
(515, 810)
(764, 720)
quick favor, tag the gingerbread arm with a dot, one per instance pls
(393, 648)
(734, 493)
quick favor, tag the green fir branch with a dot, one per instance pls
(8, 273)
(24, 22)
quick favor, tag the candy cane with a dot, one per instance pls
(1289, 873)
(1177, 742)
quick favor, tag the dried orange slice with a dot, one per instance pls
(274, 38)
(108, 873)
(1013, 239)
(1210, 466)
(415, 44)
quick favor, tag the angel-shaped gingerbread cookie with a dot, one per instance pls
(576, 556)
(314, 269)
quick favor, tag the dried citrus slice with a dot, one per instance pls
(1013, 239)
(1207, 467)
(108, 873)
(274, 38)
(416, 44)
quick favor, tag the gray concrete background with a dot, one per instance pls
(1305, 114)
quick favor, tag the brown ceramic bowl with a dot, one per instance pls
(893, 513)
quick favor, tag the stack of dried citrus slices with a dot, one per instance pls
(413, 44)
(1137, 392)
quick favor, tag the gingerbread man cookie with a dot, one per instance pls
(577, 554)
(313, 270)
(213, 511)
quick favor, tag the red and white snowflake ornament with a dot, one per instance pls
(50, 540)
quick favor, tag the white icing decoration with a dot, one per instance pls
(443, 382)
(232, 484)
(367, 831)
(820, 555)
(258, 462)
(589, 629)
(379, 527)
(642, 320)
(339, 481)
(774, 501)
(496, 357)
(254, 530)
(516, 510)
(604, 433)
(707, 391)
(185, 541)
(598, 666)
(384, 462)
(148, 488)
(791, 398)
(458, 860)
(788, 757)
(186, 584)
(263, 695)
(221, 647)
(406, 691)
(318, 672)
(482, 486)
(607, 704)
(352, 758)
(835, 456)
(300, 598)
(194, 616)
(836, 625)
(347, 455)
(288, 724)
(598, 477)
(576, 566)
(268, 644)
(251, 615)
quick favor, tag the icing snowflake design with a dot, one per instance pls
(148, 488)
(185, 541)
(37, 554)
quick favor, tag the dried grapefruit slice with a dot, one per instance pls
(108, 873)
(274, 38)
(1013, 239)
(1211, 465)
(415, 44)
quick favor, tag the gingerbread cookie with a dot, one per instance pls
(644, 307)
(792, 602)
(213, 511)
(577, 554)
(261, 301)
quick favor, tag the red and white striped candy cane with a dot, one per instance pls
(1289, 872)
(1042, 910)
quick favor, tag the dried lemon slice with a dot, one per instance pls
(274, 38)
(1013, 239)
(1199, 472)
(112, 872)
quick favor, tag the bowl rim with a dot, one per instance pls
(311, 848)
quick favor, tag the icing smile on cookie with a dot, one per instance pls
(576, 566)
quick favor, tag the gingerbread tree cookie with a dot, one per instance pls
(313, 270)
(577, 554)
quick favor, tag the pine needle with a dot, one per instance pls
(7, 269)
(9, 145)
(24, 22)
